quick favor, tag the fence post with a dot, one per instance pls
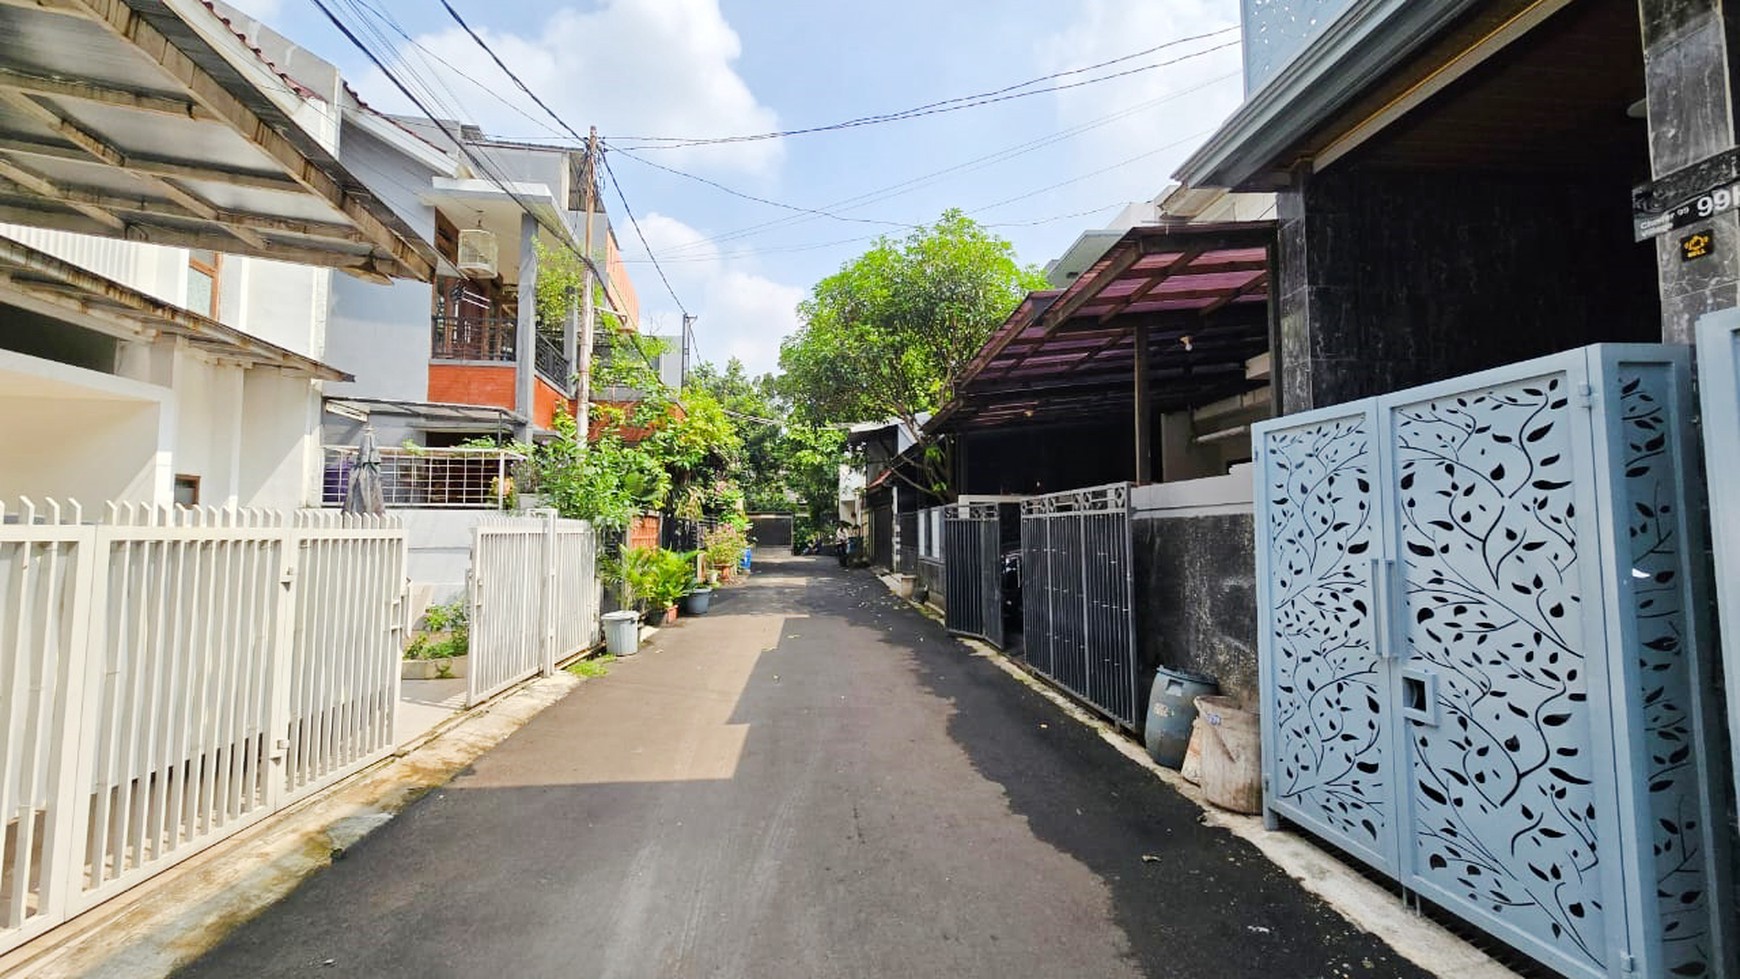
(548, 597)
(72, 758)
(283, 651)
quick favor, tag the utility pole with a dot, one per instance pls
(687, 342)
(588, 311)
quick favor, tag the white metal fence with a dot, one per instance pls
(534, 599)
(168, 677)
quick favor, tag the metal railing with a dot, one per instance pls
(450, 478)
(473, 337)
(175, 675)
(551, 362)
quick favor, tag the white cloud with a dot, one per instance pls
(1177, 104)
(741, 313)
(630, 67)
(262, 10)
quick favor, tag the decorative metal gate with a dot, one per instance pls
(972, 591)
(1481, 667)
(1719, 387)
(1078, 621)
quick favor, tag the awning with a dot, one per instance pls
(427, 412)
(37, 281)
(1199, 291)
(151, 120)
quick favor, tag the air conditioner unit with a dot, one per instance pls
(477, 252)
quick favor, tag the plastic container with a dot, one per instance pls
(1191, 770)
(1171, 710)
(698, 601)
(1232, 755)
(622, 632)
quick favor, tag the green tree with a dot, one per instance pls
(888, 335)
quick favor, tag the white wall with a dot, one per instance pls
(79, 434)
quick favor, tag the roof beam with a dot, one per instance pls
(156, 166)
(1161, 275)
(45, 6)
(126, 23)
(35, 183)
(87, 91)
(119, 204)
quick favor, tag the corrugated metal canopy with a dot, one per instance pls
(1200, 290)
(37, 281)
(152, 120)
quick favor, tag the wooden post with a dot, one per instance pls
(588, 310)
(1144, 438)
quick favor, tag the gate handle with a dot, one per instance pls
(1380, 600)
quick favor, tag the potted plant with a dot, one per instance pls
(670, 578)
(699, 595)
(438, 650)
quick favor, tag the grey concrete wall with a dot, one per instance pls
(380, 333)
(1196, 598)
(1392, 278)
(930, 578)
(439, 553)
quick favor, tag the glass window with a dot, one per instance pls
(202, 282)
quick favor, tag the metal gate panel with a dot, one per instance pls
(1719, 395)
(1495, 517)
(972, 596)
(1524, 633)
(1077, 596)
(1327, 727)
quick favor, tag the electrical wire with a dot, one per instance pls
(1004, 94)
(616, 185)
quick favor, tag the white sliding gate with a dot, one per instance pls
(534, 599)
(1719, 391)
(168, 677)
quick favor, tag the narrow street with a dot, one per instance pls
(813, 780)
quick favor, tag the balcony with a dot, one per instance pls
(552, 364)
(451, 478)
(476, 338)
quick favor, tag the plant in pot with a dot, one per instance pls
(724, 546)
(438, 650)
(671, 577)
(699, 596)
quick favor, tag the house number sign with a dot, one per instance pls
(1704, 206)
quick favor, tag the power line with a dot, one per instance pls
(759, 200)
(977, 163)
(616, 185)
(951, 105)
(509, 71)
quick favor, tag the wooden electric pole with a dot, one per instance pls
(588, 309)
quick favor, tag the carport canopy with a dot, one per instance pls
(1191, 301)
(152, 120)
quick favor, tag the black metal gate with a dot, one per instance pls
(1077, 598)
(972, 586)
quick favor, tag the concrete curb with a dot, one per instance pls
(1363, 903)
(173, 918)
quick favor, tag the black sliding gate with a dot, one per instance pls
(1077, 601)
(972, 589)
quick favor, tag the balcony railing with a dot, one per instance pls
(473, 338)
(453, 478)
(552, 364)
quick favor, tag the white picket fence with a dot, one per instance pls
(534, 599)
(168, 677)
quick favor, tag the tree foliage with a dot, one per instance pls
(889, 334)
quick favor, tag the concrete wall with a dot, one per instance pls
(438, 544)
(1394, 278)
(1196, 581)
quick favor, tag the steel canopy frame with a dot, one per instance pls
(152, 120)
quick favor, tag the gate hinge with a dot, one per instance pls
(1583, 396)
(1627, 963)
(289, 575)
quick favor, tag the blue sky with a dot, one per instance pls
(702, 68)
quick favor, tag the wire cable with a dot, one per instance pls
(616, 185)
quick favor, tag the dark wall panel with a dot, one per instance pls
(1196, 599)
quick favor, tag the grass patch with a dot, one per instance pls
(595, 667)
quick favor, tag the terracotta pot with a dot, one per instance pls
(670, 615)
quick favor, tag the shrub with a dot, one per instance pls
(446, 632)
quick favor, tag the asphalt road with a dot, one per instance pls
(812, 781)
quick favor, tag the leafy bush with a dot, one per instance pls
(724, 545)
(446, 632)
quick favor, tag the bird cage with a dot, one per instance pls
(477, 252)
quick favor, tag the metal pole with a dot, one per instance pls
(1144, 440)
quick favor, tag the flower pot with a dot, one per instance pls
(670, 615)
(431, 669)
(698, 601)
(622, 632)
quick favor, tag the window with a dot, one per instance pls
(202, 282)
(186, 490)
